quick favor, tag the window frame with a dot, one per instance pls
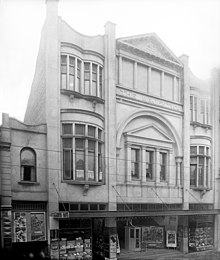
(204, 169)
(28, 169)
(83, 135)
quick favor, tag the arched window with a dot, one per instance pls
(28, 165)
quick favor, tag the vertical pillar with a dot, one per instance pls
(186, 132)
(178, 170)
(110, 234)
(128, 163)
(110, 113)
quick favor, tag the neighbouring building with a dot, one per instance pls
(119, 147)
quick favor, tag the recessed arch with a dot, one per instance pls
(146, 113)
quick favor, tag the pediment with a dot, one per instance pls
(149, 132)
(152, 44)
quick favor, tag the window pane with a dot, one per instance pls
(71, 82)
(193, 150)
(91, 131)
(193, 170)
(80, 160)
(63, 81)
(79, 143)
(91, 145)
(67, 143)
(63, 59)
(80, 129)
(201, 149)
(67, 129)
(27, 157)
(87, 86)
(155, 82)
(72, 60)
(135, 163)
(163, 166)
(149, 164)
(68, 164)
(63, 69)
(86, 66)
(94, 88)
(100, 82)
(99, 134)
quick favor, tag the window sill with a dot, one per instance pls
(200, 188)
(28, 183)
(83, 96)
(197, 124)
(74, 182)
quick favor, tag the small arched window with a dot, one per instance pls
(28, 165)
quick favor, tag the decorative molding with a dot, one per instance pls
(81, 111)
(131, 94)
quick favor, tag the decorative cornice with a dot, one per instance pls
(149, 56)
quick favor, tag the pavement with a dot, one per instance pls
(167, 254)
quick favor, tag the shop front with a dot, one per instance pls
(201, 232)
(29, 228)
(83, 239)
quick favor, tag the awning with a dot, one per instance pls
(130, 214)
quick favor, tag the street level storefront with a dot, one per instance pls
(83, 238)
(93, 235)
(29, 227)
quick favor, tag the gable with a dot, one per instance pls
(151, 132)
(152, 44)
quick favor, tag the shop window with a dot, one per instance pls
(199, 166)
(135, 163)
(71, 69)
(28, 165)
(163, 166)
(81, 147)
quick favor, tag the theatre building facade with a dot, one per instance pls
(118, 149)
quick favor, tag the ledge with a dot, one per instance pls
(92, 183)
(73, 94)
(28, 183)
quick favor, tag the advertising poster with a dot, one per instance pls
(54, 249)
(153, 236)
(20, 226)
(113, 246)
(171, 238)
(38, 227)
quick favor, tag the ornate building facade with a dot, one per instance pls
(119, 146)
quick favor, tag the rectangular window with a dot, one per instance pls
(163, 165)
(78, 81)
(87, 78)
(71, 73)
(100, 82)
(149, 164)
(199, 166)
(135, 161)
(91, 160)
(191, 108)
(67, 159)
(63, 71)
(80, 159)
(202, 111)
(86, 154)
(94, 79)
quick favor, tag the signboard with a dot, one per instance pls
(171, 239)
(60, 214)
